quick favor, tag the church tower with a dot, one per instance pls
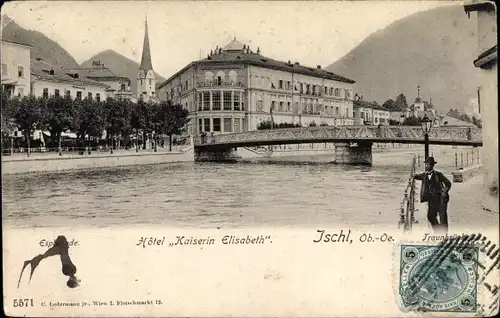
(146, 83)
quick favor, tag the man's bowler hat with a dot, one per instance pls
(430, 160)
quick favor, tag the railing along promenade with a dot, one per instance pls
(466, 136)
(407, 208)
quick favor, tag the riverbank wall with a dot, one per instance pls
(120, 158)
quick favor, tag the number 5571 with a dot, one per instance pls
(27, 302)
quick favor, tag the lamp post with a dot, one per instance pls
(426, 125)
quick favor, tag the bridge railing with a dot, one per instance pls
(352, 132)
(407, 207)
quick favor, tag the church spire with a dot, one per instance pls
(146, 63)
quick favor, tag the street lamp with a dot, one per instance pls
(426, 124)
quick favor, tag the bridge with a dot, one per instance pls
(352, 143)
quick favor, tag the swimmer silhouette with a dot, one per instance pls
(60, 248)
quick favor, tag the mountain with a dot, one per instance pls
(434, 49)
(41, 46)
(120, 65)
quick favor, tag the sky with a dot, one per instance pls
(310, 32)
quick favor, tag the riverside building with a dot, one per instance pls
(234, 89)
(16, 79)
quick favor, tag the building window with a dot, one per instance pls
(337, 92)
(219, 81)
(236, 98)
(288, 85)
(216, 100)
(56, 93)
(281, 106)
(289, 107)
(45, 92)
(237, 125)
(200, 125)
(228, 124)
(98, 97)
(206, 124)
(186, 85)
(123, 87)
(301, 88)
(331, 91)
(20, 71)
(326, 90)
(280, 83)
(200, 100)
(67, 93)
(227, 100)
(89, 96)
(353, 114)
(4, 69)
(216, 123)
(307, 89)
(260, 105)
(347, 94)
(376, 120)
(336, 110)
(79, 95)
(206, 100)
(273, 105)
(314, 90)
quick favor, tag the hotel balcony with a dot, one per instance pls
(221, 84)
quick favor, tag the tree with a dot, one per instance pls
(389, 104)
(139, 120)
(412, 121)
(9, 109)
(170, 120)
(58, 117)
(89, 120)
(263, 125)
(117, 118)
(29, 115)
(400, 102)
(477, 122)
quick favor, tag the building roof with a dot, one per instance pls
(146, 64)
(46, 71)
(477, 5)
(237, 53)
(452, 121)
(234, 45)
(366, 104)
(100, 73)
(18, 43)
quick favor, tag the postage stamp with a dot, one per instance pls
(450, 276)
(444, 284)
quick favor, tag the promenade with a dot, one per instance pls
(465, 212)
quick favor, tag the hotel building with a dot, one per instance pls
(234, 89)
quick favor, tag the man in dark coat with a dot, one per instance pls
(434, 191)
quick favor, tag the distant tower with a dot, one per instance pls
(146, 83)
(418, 105)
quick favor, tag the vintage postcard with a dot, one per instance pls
(250, 158)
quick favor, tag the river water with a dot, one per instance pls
(214, 195)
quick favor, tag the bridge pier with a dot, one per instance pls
(216, 155)
(359, 153)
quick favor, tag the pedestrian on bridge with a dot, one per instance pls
(434, 191)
